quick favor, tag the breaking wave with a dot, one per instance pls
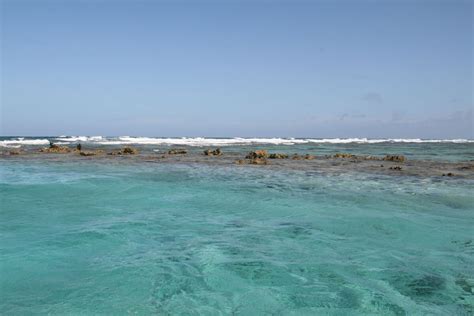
(204, 141)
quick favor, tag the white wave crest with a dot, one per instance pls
(79, 138)
(386, 140)
(203, 141)
(16, 143)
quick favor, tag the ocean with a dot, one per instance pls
(139, 235)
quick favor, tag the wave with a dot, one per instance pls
(75, 139)
(203, 141)
(18, 142)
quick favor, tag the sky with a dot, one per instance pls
(398, 69)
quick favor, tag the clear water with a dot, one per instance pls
(93, 238)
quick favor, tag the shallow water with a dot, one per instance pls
(144, 238)
(436, 150)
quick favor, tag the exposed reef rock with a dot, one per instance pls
(91, 153)
(257, 154)
(215, 152)
(177, 151)
(303, 157)
(396, 168)
(125, 151)
(252, 161)
(395, 158)
(55, 149)
(278, 156)
(344, 155)
(449, 174)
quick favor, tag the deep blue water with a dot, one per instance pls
(93, 238)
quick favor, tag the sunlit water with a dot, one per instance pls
(95, 238)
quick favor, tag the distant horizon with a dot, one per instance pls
(236, 137)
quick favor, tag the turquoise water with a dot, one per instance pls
(93, 238)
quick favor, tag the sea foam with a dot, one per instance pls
(204, 141)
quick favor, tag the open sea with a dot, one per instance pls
(84, 237)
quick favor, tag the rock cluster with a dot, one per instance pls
(125, 151)
(177, 151)
(396, 168)
(215, 152)
(303, 157)
(90, 152)
(257, 157)
(344, 155)
(278, 156)
(257, 154)
(55, 149)
(395, 158)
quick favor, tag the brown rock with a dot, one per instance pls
(55, 149)
(344, 155)
(215, 152)
(396, 158)
(303, 157)
(278, 156)
(125, 151)
(177, 151)
(91, 153)
(257, 154)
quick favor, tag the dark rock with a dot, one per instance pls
(395, 158)
(449, 174)
(79, 147)
(215, 152)
(91, 153)
(55, 149)
(305, 157)
(344, 155)
(177, 151)
(129, 151)
(125, 151)
(277, 156)
(396, 168)
(257, 154)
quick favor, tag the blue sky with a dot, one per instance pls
(237, 68)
